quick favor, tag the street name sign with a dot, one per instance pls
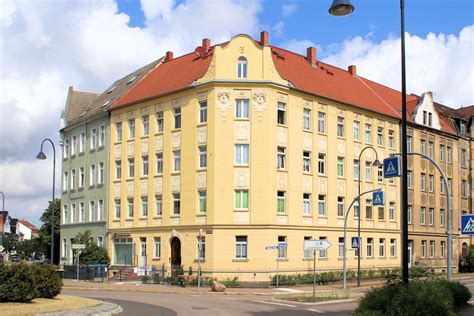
(378, 198)
(316, 245)
(78, 246)
(355, 243)
(276, 247)
(392, 167)
(467, 224)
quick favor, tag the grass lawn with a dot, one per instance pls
(318, 298)
(44, 305)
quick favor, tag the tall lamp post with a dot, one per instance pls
(3, 218)
(345, 7)
(42, 156)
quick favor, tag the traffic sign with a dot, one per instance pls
(378, 198)
(392, 167)
(467, 224)
(282, 245)
(316, 245)
(78, 246)
(355, 242)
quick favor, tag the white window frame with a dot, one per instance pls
(242, 109)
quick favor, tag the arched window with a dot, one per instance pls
(242, 67)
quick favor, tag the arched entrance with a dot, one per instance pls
(175, 256)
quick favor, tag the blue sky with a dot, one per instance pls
(49, 45)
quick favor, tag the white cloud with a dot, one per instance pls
(277, 29)
(48, 45)
(300, 46)
(288, 9)
(439, 63)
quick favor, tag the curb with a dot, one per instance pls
(345, 300)
(103, 309)
(117, 309)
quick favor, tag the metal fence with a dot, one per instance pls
(92, 272)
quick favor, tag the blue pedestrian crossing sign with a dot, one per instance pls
(467, 224)
(355, 243)
(392, 167)
(378, 198)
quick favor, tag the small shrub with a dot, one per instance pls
(145, 279)
(47, 280)
(17, 283)
(460, 293)
(231, 282)
(156, 279)
(190, 271)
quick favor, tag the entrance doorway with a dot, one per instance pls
(175, 256)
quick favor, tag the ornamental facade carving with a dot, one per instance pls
(202, 135)
(176, 140)
(260, 102)
(159, 143)
(223, 102)
(201, 180)
(144, 146)
(117, 151)
(175, 183)
(143, 187)
(242, 178)
(131, 149)
(159, 185)
(242, 131)
(130, 189)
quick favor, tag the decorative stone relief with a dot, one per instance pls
(117, 151)
(157, 221)
(223, 102)
(260, 102)
(282, 97)
(144, 146)
(242, 178)
(159, 107)
(117, 118)
(341, 147)
(242, 131)
(201, 180)
(341, 188)
(356, 116)
(308, 104)
(159, 143)
(356, 188)
(202, 96)
(341, 112)
(323, 107)
(117, 190)
(322, 185)
(129, 189)
(282, 136)
(201, 219)
(322, 145)
(242, 94)
(282, 219)
(307, 183)
(369, 154)
(174, 221)
(144, 187)
(368, 119)
(202, 135)
(356, 150)
(307, 141)
(145, 111)
(129, 223)
(176, 139)
(159, 185)
(282, 180)
(130, 114)
(211, 71)
(392, 194)
(241, 217)
(142, 222)
(176, 102)
(307, 221)
(175, 183)
(131, 149)
(242, 49)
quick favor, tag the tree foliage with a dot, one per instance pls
(93, 254)
(45, 230)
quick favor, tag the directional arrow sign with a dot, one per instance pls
(467, 224)
(316, 245)
(378, 198)
(392, 167)
(78, 246)
(282, 245)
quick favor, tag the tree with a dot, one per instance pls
(11, 242)
(26, 248)
(45, 230)
(93, 254)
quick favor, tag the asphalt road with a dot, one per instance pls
(138, 303)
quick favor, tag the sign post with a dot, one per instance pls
(199, 256)
(281, 245)
(78, 247)
(315, 245)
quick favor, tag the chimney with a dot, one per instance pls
(352, 70)
(206, 44)
(264, 38)
(169, 56)
(311, 55)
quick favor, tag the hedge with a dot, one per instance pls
(24, 282)
(420, 297)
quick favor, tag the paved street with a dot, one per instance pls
(135, 301)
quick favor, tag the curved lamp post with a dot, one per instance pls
(42, 156)
(377, 164)
(3, 218)
(345, 7)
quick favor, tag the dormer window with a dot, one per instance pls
(242, 67)
(462, 128)
(430, 119)
(425, 117)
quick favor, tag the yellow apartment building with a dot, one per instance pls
(236, 141)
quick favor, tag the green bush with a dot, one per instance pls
(48, 282)
(17, 283)
(420, 297)
(231, 282)
(145, 279)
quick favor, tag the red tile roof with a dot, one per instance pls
(29, 225)
(466, 112)
(173, 75)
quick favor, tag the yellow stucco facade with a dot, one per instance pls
(250, 200)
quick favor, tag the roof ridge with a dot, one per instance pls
(361, 79)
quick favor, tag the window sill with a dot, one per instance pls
(175, 173)
(282, 260)
(243, 165)
(241, 210)
(369, 258)
(129, 219)
(307, 130)
(282, 125)
(175, 216)
(203, 260)
(144, 177)
(240, 260)
(159, 133)
(176, 130)
(322, 133)
(382, 258)
(307, 173)
(201, 124)
(322, 259)
(200, 169)
(156, 259)
(308, 259)
(282, 170)
(242, 119)
(144, 136)
(202, 214)
(158, 217)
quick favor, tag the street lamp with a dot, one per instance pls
(376, 164)
(3, 217)
(340, 8)
(42, 156)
